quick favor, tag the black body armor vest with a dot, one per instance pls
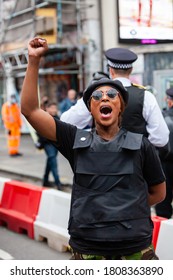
(132, 119)
(109, 201)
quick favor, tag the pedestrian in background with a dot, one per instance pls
(164, 209)
(51, 151)
(11, 116)
(44, 101)
(142, 114)
(117, 174)
(69, 101)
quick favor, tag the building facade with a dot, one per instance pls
(78, 33)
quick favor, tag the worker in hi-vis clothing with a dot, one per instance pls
(11, 116)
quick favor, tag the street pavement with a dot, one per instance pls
(31, 165)
(19, 247)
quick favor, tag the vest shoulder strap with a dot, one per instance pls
(132, 141)
(139, 86)
(83, 139)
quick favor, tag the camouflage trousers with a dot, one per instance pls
(146, 254)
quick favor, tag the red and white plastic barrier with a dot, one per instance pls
(164, 248)
(19, 206)
(43, 213)
(2, 182)
(38, 211)
(157, 222)
(52, 219)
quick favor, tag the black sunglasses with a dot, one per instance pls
(98, 94)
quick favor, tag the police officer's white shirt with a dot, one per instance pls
(156, 127)
(78, 115)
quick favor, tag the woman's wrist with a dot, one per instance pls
(34, 60)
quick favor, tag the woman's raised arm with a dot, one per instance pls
(38, 118)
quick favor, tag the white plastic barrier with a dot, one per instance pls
(52, 219)
(164, 248)
(2, 182)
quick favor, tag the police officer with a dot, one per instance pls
(114, 184)
(164, 209)
(142, 114)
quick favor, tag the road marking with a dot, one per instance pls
(5, 256)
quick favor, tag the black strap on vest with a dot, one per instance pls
(169, 121)
(132, 119)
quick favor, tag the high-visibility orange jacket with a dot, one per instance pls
(11, 116)
(12, 120)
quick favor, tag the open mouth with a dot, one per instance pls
(105, 110)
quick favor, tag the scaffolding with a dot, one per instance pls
(56, 20)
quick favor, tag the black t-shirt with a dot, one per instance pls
(152, 173)
(65, 140)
